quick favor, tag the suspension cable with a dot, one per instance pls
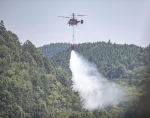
(73, 35)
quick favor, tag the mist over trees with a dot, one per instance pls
(34, 86)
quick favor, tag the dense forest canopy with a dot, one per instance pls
(53, 48)
(34, 86)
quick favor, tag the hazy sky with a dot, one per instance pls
(121, 21)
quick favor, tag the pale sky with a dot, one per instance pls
(121, 21)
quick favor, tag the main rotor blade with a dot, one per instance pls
(64, 17)
(80, 15)
(67, 17)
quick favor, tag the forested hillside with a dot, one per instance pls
(32, 86)
(112, 60)
(125, 64)
(53, 48)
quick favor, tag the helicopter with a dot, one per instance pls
(73, 21)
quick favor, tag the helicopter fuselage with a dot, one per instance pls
(73, 22)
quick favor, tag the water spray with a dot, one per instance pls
(95, 91)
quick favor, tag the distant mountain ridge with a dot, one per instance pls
(113, 60)
(53, 48)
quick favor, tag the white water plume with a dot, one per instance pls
(95, 91)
